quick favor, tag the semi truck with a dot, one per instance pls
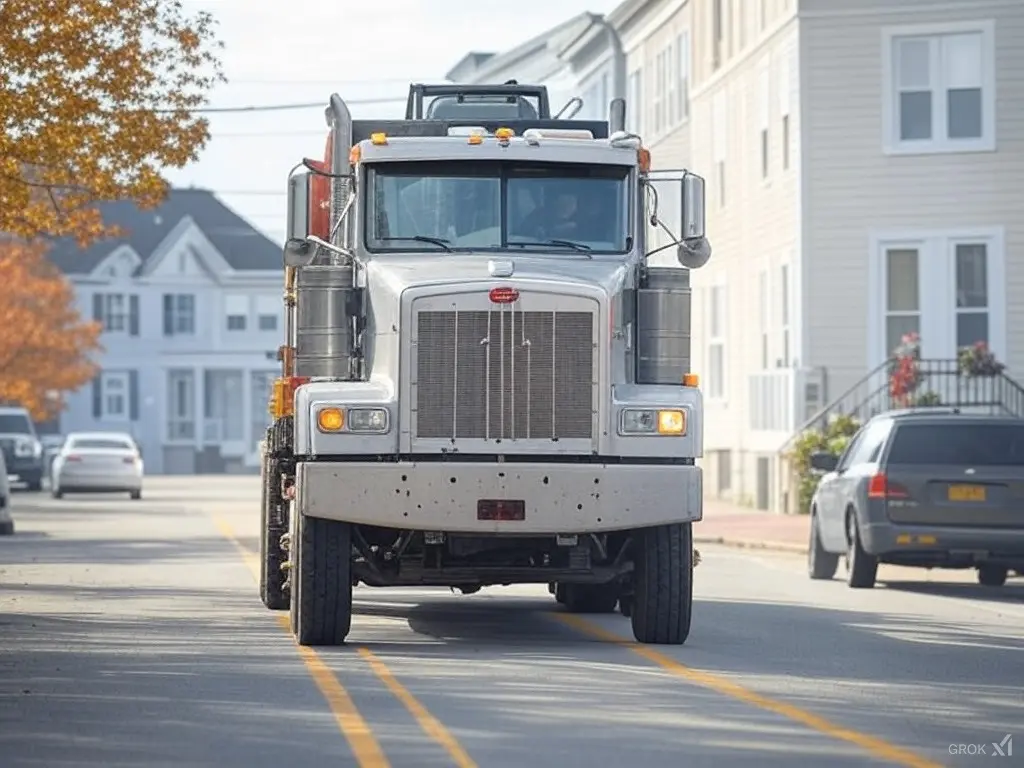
(485, 380)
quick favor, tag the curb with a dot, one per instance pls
(775, 546)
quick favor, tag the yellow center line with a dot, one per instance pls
(354, 727)
(875, 746)
(430, 724)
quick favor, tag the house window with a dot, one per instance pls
(902, 295)
(267, 310)
(682, 67)
(114, 396)
(763, 111)
(662, 96)
(261, 383)
(972, 299)
(785, 90)
(117, 312)
(634, 103)
(181, 409)
(179, 314)
(763, 305)
(716, 343)
(236, 308)
(717, 32)
(941, 90)
(784, 312)
(719, 141)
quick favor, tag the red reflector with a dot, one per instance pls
(72, 458)
(503, 295)
(500, 509)
(297, 381)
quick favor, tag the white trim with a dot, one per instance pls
(124, 381)
(937, 287)
(901, 9)
(186, 233)
(720, 340)
(891, 144)
(641, 35)
(776, 30)
(111, 259)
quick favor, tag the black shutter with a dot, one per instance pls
(168, 315)
(97, 307)
(97, 397)
(133, 395)
(133, 315)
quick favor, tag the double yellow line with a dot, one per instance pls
(368, 753)
(357, 731)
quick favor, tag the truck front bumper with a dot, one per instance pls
(443, 496)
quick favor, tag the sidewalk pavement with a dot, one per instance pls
(736, 526)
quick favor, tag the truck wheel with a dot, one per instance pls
(590, 598)
(992, 575)
(663, 584)
(559, 593)
(272, 578)
(820, 563)
(321, 599)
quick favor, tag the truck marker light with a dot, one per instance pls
(691, 380)
(330, 419)
(503, 295)
(378, 139)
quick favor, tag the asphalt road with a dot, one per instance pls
(131, 634)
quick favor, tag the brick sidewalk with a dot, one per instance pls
(726, 523)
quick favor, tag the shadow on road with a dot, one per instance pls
(1011, 592)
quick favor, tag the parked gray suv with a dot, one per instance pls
(928, 488)
(23, 453)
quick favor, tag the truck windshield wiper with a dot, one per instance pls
(543, 243)
(438, 241)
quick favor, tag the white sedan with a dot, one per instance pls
(97, 462)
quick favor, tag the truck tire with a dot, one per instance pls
(273, 525)
(590, 598)
(321, 600)
(663, 584)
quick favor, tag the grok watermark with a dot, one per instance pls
(1002, 748)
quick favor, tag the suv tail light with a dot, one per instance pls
(879, 487)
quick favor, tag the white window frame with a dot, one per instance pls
(785, 294)
(764, 305)
(180, 313)
(682, 66)
(173, 421)
(121, 313)
(635, 101)
(717, 390)
(937, 287)
(115, 384)
(720, 143)
(268, 306)
(764, 100)
(236, 305)
(785, 86)
(662, 91)
(939, 143)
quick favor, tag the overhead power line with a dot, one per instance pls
(278, 107)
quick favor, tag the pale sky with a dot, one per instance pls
(301, 51)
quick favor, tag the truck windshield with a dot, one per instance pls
(490, 206)
(15, 424)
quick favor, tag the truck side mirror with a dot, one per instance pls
(692, 199)
(298, 205)
(298, 252)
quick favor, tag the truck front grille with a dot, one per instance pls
(505, 375)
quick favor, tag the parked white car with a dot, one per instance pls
(97, 462)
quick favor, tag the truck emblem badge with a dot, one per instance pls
(503, 295)
(501, 268)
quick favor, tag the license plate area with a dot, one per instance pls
(501, 509)
(970, 493)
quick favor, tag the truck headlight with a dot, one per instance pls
(363, 420)
(368, 419)
(653, 421)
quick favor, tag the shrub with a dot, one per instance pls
(834, 438)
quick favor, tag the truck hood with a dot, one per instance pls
(395, 274)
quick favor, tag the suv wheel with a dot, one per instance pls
(861, 567)
(820, 563)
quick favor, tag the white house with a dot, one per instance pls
(863, 164)
(191, 305)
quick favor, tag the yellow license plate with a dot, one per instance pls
(966, 493)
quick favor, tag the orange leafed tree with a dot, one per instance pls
(96, 98)
(45, 345)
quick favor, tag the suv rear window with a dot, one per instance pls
(967, 444)
(15, 424)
